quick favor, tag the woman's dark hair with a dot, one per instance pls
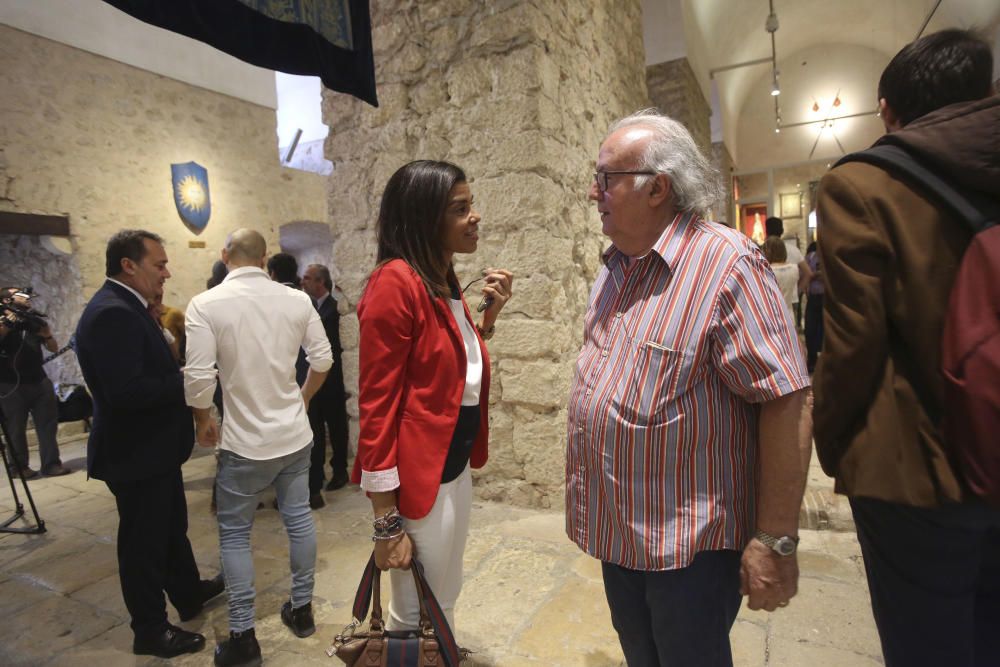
(939, 69)
(811, 248)
(410, 220)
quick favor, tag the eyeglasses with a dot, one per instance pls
(601, 177)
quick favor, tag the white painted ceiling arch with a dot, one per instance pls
(851, 39)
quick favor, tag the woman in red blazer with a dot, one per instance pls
(424, 382)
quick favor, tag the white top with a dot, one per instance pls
(794, 254)
(787, 276)
(473, 356)
(252, 328)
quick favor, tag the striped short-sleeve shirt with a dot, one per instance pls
(678, 348)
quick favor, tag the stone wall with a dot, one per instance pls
(94, 139)
(520, 95)
(55, 277)
(723, 161)
(675, 91)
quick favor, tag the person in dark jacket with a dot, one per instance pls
(889, 257)
(142, 433)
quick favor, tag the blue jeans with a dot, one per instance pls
(238, 484)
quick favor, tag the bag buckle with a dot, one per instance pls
(345, 635)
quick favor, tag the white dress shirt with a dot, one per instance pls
(252, 328)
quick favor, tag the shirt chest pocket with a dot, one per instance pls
(652, 382)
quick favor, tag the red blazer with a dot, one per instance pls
(412, 375)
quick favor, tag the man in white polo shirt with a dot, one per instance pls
(251, 328)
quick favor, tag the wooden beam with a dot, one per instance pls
(32, 223)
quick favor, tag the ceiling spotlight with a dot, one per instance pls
(775, 91)
(777, 130)
(836, 101)
(815, 106)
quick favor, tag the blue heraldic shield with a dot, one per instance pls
(191, 196)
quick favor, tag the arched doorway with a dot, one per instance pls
(309, 242)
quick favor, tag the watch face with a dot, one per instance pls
(785, 546)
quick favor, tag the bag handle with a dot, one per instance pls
(431, 614)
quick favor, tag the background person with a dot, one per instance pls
(251, 328)
(424, 382)
(814, 308)
(890, 256)
(142, 433)
(786, 273)
(328, 410)
(26, 389)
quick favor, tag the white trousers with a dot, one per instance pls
(439, 544)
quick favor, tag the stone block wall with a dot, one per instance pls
(674, 90)
(723, 161)
(94, 139)
(519, 94)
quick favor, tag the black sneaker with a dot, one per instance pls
(240, 650)
(316, 501)
(299, 620)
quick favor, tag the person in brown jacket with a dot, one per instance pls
(889, 254)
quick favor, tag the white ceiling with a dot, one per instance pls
(822, 46)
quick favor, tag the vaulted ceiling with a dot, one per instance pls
(823, 48)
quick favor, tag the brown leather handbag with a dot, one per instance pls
(433, 645)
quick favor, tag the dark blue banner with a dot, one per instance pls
(331, 39)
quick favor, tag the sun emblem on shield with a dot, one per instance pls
(191, 194)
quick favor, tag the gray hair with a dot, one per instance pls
(694, 183)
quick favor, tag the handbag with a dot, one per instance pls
(433, 645)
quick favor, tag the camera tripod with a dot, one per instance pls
(5, 527)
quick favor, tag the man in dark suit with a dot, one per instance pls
(142, 433)
(329, 408)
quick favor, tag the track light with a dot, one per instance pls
(775, 89)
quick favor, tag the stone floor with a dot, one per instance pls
(530, 598)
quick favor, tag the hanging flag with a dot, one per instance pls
(331, 39)
(191, 195)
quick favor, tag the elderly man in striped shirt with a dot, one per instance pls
(688, 433)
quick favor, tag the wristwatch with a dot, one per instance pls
(783, 546)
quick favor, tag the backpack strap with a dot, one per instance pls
(975, 210)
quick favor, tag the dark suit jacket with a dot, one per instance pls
(333, 388)
(142, 426)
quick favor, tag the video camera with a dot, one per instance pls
(16, 312)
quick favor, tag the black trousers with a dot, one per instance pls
(676, 617)
(154, 554)
(934, 578)
(328, 413)
(814, 329)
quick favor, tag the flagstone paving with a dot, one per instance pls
(531, 597)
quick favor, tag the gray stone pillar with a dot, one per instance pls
(519, 94)
(674, 90)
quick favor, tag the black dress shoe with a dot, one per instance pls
(207, 589)
(299, 620)
(169, 643)
(240, 650)
(338, 481)
(316, 501)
